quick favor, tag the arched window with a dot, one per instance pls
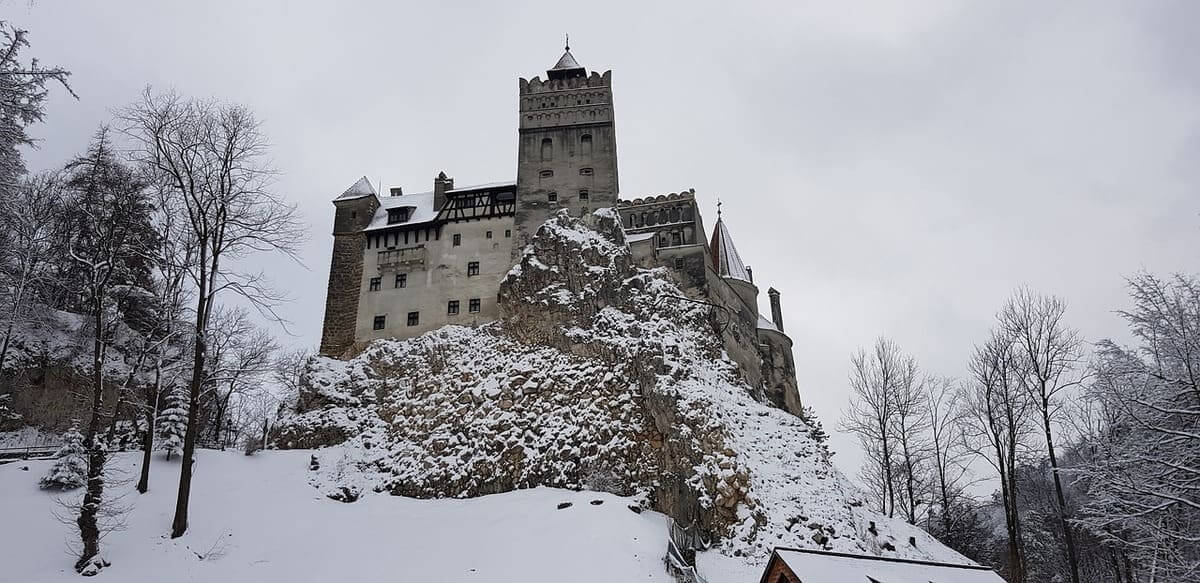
(675, 215)
(547, 150)
(629, 222)
(641, 220)
(585, 144)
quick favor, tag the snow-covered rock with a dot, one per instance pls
(597, 377)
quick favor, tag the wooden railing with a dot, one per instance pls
(25, 452)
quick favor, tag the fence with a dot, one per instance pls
(682, 544)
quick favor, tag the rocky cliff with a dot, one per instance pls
(600, 375)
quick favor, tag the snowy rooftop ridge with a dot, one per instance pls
(726, 260)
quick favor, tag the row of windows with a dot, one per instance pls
(660, 217)
(402, 278)
(456, 240)
(583, 195)
(550, 173)
(414, 318)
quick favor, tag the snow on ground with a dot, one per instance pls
(258, 519)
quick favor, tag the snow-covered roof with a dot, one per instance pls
(827, 567)
(422, 204)
(358, 190)
(567, 61)
(726, 260)
(634, 238)
(765, 324)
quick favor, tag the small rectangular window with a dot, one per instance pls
(489, 234)
(375, 283)
(379, 323)
(452, 307)
(473, 305)
(401, 280)
(507, 233)
(472, 268)
(679, 263)
(583, 194)
(457, 239)
(414, 318)
(553, 197)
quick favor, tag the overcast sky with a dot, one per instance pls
(892, 168)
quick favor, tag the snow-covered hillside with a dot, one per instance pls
(257, 519)
(598, 377)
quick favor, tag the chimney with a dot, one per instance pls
(776, 311)
(440, 185)
(750, 272)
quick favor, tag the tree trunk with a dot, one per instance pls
(143, 484)
(89, 529)
(1068, 537)
(179, 524)
(152, 393)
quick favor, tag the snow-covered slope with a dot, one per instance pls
(599, 377)
(256, 519)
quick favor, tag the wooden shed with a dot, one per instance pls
(809, 566)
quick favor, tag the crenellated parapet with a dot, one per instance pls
(537, 85)
(689, 194)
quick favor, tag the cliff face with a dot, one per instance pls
(600, 375)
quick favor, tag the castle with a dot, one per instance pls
(405, 264)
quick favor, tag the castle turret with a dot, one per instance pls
(567, 150)
(353, 211)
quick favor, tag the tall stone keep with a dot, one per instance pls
(567, 149)
(353, 211)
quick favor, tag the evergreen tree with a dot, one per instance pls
(172, 421)
(70, 469)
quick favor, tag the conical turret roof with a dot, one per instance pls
(726, 260)
(566, 61)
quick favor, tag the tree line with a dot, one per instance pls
(1093, 449)
(139, 240)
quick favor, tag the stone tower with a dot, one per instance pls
(353, 212)
(567, 147)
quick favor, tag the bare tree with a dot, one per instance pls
(874, 378)
(998, 421)
(948, 458)
(212, 157)
(242, 354)
(107, 203)
(29, 235)
(911, 428)
(1048, 354)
